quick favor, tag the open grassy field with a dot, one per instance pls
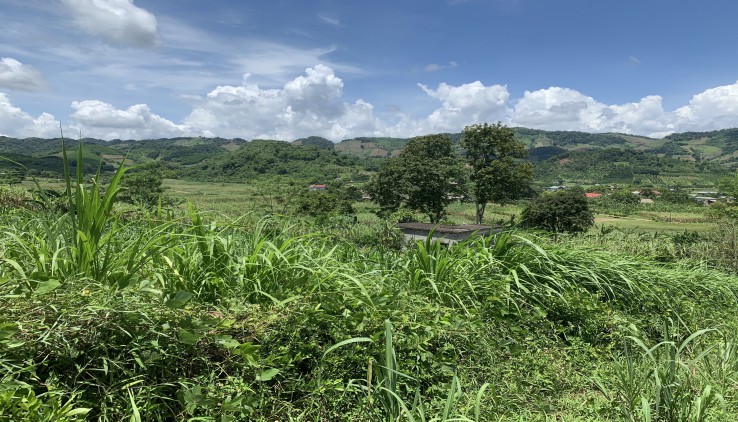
(645, 224)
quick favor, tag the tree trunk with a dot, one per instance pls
(480, 212)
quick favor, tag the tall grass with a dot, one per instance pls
(164, 318)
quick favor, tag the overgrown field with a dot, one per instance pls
(109, 314)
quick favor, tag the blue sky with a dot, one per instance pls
(284, 69)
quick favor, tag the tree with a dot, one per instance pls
(565, 211)
(497, 172)
(142, 188)
(422, 178)
(677, 196)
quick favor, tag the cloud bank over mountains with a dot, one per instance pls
(315, 104)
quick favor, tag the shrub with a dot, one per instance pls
(322, 204)
(564, 211)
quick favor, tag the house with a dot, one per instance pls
(592, 195)
(555, 188)
(707, 200)
(446, 234)
(646, 201)
(317, 187)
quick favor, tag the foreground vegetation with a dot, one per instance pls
(119, 313)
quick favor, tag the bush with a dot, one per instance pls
(564, 211)
(677, 197)
(142, 188)
(323, 203)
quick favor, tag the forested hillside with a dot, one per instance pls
(626, 166)
(576, 157)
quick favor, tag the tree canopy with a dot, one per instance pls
(565, 211)
(498, 173)
(424, 178)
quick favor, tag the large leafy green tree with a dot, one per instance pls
(423, 178)
(498, 172)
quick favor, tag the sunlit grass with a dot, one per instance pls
(220, 309)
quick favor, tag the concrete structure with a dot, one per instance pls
(446, 234)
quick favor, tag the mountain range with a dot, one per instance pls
(690, 158)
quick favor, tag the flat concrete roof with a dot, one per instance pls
(443, 228)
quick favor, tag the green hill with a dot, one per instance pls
(259, 157)
(680, 159)
(626, 166)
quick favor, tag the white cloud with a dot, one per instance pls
(308, 105)
(102, 120)
(274, 62)
(466, 104)
(559, 108)
(314, 104)
(15, 122)
(710, 109)
(646, 117)
(329, 19)
(435, 67)
(118, 22)
(19, 76)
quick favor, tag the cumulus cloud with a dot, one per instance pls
(15, 122)
(712, 108)
(314, 104)
(466, 104)
(118, 22)
(557, 108)
(311, 104)
(102, 120)
(19, 76)
(646, 117)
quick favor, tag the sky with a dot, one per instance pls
(285, 69)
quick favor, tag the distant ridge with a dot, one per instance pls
(579, 157)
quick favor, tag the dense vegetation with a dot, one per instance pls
(310, 164)
(627, 167)
(119, 313)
